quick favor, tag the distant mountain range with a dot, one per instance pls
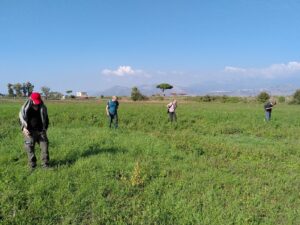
(285, 89)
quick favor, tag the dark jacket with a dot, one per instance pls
(268, 107)
(23, 114)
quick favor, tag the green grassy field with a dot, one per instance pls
(220, 164)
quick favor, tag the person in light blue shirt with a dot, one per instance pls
(112, 111)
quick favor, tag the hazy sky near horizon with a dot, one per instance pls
(95, 44)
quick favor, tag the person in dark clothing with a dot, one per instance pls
(34, 124)
(112, 111)
(268, 109)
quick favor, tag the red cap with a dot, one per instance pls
(36, 98)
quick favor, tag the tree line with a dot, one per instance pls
(19, 89)
(262, 97)
(25, 89)
(136, 95)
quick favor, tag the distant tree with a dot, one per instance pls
(281, 99)
(224, 98)
(45, 90)
(24, 90)
(136, 95)
(164, 86)
(10, 90)
(263, 97)
(18, 89)
(208, 98)
(69, 92)
(55, 95)
(29, 88)
(296, 97)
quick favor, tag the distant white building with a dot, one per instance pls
(81, 94)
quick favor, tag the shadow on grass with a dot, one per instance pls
(91, 151)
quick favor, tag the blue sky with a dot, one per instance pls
(93, 45)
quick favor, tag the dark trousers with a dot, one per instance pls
(113, 119)
(172, 116)
(40, 138)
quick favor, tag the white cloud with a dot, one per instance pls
(159, 72)
(121, 71)
(231, 69)
(288, 68)
(272, 71)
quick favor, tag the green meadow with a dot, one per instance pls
(221, 163)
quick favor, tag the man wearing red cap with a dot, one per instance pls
(34, 124)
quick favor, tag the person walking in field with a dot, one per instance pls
(171, 110)
(112, 111)
(268, 109)
(34, 124)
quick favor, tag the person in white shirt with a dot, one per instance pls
(171, 110)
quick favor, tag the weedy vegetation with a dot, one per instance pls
(219, 164)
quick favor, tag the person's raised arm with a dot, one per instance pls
(107, 113)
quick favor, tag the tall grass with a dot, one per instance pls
(219, 164)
